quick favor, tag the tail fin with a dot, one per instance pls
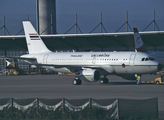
(33, 40)
(139, 46)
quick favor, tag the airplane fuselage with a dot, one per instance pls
(106, 62)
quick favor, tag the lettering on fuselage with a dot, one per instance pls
(76, 55)
(100, 55)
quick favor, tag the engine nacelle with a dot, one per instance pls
(90, 75)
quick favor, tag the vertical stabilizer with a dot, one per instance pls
(139, 46)
(33, 40)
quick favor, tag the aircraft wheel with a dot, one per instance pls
(157, 82)
(79, 81)
(104, 80)
(76, 82)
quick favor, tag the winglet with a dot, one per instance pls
(33, 40)
(139, 46)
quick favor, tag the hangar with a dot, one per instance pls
(46, 27)
(153, 40)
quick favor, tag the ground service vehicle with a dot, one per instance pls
(159, 81)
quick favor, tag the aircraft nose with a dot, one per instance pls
(160, 66)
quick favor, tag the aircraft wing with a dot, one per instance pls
(33, 61)
(73, 68)
(28, 60)
(54, 65)
(20, 58)
(69, 66)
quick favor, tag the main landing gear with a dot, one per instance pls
(76, 81)
(104, 80)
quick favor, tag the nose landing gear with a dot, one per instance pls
(104, 80)
(77, 81)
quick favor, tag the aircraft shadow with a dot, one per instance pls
(121, 83)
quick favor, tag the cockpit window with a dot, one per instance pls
(152, 59)
(143, 59)
(146, 59)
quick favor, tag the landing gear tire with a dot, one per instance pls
(101, 81)
(157, 82)
(76, 82)
(104, 80)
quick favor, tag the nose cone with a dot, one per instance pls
(160, 66)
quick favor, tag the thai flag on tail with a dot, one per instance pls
(34, 37)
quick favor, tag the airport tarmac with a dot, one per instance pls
(55, 86)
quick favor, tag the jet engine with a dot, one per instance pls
(91, 75)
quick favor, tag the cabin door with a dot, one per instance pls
(45, 59)
(94, 60)
(131, 59)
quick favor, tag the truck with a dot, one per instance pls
(159, 81)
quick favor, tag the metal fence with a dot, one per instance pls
(113, 108)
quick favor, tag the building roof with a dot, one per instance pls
(100, 41)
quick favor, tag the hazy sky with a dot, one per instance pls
(140, 14)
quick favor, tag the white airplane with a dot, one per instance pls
(139, 46)
(88, 66)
